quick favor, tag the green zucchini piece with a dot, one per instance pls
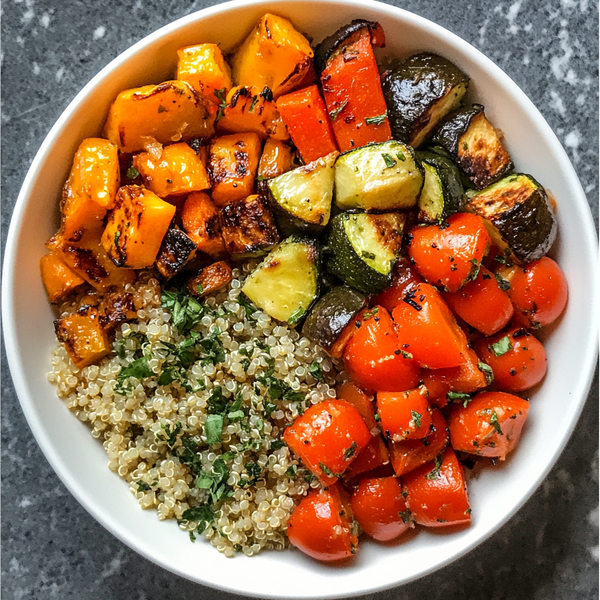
(330, 315)
(474, 145)
(420, 91)
(442, 194)
(518, 215)
(378, 177)
(364, 248)
(286, 283)
(302, 197)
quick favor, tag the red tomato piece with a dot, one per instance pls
(363, 403)
(482, 304)
(380, 508)
(410, 454)
(321, 525)
(373, 357)
(538, 290)
(427, 330)
(374, 456)
(489, 425)
(516, 357)
(405, 276)
(328, 437)
(437, 493)
(449, 255)
(404, 415)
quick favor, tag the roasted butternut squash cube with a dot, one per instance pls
(169, 112)
(210, 279)
(136, 227)
(273, 55)
(205, 69)
(232, 165)
(116, 308)
(179, 170)
(277, 158)
(83, 336)
(248, 227)
(200, 219)
(59, 279)
(89, 260)
(252, 109)
(176, 250)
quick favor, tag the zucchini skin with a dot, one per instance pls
(331, 314)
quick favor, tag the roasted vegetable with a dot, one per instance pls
(273, 55)
(200, 219)
(58, 278)
(136, 227)
(474, 145)
(364, 248)
(286, 283)
(248, 227)
(420, 91)
(205, 69)
(518, 215)
(116, 308)
(232, 166)
(302, 197)
(378, 177)
(178, 170)
(83, 336)
(306, 118)
(169, 112)
(277, 158)
(442, 194)
(210, 279)
(352, 87)
(331, 314)
(175, 251)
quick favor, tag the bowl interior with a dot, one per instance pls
(80, 461)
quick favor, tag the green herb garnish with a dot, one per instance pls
(334, 114)
(389, 161)
(378, 120)
(502, 346)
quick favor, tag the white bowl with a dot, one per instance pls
(80, 461)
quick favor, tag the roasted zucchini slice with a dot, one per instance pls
(331, 314)
(378, 177)
(474, 145)
(302, 197)
(518, 215)
(442, 194)
(420, 91)
(364, 248)
(286, 283)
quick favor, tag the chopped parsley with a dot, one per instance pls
(296, 316)
(213, 428)
(501, 347)
(327, 470)
(248, 306)
(416, 418)
(132, 173)
(389, 161)
(215, 481)
(503, 284)
(406, 516)
(435, 472)
(186, 310)
(487, 371)
(495, 423)
(351, 451)
(170, 435)
(315, 370)
(140, 369)
(203, 515)
(370, 313)
(460, 397)
(221, 96)
(334, 114)
(378, 120)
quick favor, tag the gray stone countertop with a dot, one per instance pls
(51, 547)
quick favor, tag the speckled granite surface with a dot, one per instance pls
(51, 548)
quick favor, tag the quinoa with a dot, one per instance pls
(249, 480)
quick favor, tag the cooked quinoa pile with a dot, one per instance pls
(191, 409)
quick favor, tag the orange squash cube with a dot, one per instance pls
(136, 227)
(58, 278)
(277, 158)
(210, 279)
(179, 170)
(200, 219)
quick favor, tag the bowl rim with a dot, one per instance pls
(18, 370)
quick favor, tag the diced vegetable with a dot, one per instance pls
(404, 415)
(58, 278)
(489, 425)
(232, 166)
(200, 219)
(302, 197)
(176, 250)
(322, 525)
(273, 55)
(277, 158)
(286, 283)
(83, 337)
(327, 437)
(378, 177)
(210, 279)
(306, 118)
(364, 248)
(169, 112)
(179, 170)
(404, 277)
(136, 227)
(420, 91)
(205, 69)
(331, 314)
(449, 255)
(474, 145)
(373, 456)
(518, 214)
(248, 227)
(116, 308)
